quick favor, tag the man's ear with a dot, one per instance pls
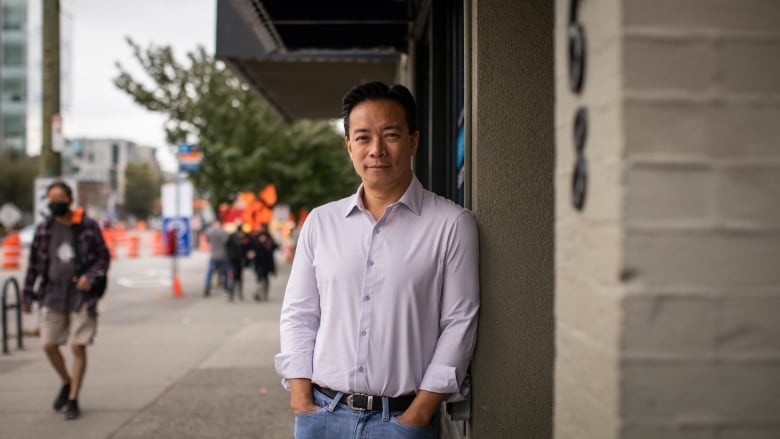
(415, 137)
(349, 146)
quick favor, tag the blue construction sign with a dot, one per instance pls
(180, 225)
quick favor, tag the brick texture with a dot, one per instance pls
(745, 193)
(668, 324)
(670, 194)
(750, 66)
(703, 15)
(707, 259)
(677, 65)
(700, 346)
(588, 243)
(668, 282)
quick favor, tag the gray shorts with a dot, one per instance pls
(75, 328)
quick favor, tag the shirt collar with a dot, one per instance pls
(412, 198)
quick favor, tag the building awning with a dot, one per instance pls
(301, 56)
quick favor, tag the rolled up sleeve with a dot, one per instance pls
(300, 316)
(458, 316)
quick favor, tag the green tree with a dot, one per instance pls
(245, 145)
(17, 183)
(141, 190)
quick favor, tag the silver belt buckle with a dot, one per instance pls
(369, 402)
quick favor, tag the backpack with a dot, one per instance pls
(99, 285)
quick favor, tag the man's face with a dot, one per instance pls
(57, 195)
(380, 144)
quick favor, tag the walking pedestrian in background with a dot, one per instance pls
(263, 246)
(238, 247)
(217, 238)
(69, 255)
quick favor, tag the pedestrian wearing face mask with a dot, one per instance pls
(70, 257)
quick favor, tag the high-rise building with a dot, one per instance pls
(13, 72)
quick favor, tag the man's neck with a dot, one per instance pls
(64, 219)
(376, 200)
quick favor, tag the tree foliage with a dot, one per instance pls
(245, 145)
(141, 190)
(18, 173)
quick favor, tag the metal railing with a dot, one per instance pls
(6, 307)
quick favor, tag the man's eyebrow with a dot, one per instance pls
(360, 130)
(392, 127)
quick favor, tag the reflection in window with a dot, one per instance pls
(14, 54)
(14, 90)
(14, 17)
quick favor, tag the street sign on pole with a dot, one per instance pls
(170, 206)
(9, 215)
(57, 139)
(181, 228)
(189, 158)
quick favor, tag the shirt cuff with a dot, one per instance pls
(293, 365)
(440, 378)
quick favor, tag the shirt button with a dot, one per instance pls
(362, 332)
(370, 263)
(376, 231)
(360, 369)
(366, 298)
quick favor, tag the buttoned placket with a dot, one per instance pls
(367, 305)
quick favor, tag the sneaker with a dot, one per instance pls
(72, 411)
(62, 398)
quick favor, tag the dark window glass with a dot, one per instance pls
(14, 55)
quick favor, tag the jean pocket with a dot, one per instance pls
(322, 409)
(394, 420)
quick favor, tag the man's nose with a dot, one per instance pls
(377, 148)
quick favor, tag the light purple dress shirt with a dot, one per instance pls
(385, 307)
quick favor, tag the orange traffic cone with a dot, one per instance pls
(158, 247)
(203, 243)
(132, 246)
(177, 292)
(12, 250)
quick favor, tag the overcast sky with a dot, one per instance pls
(98, 28)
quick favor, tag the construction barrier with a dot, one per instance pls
(132, 246)
(158, 246)
(110, 238)
(12, 251)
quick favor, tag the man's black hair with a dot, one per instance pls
(62, 185)
(371, 91)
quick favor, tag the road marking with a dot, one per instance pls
(128, 282)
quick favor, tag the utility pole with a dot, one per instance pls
(49, 162)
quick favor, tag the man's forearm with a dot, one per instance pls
(423, 408)
(301, 396)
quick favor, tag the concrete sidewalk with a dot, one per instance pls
(203, 368)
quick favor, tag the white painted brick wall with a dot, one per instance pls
(676, 257)
(589, 244)
(700, 339)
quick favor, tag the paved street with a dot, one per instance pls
(161, 367)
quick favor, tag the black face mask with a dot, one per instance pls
(59, 208)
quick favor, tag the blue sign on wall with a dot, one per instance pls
(181, 225)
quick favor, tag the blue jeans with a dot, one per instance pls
(338, 421)
(223, 267)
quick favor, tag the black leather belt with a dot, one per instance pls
(359, 401)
